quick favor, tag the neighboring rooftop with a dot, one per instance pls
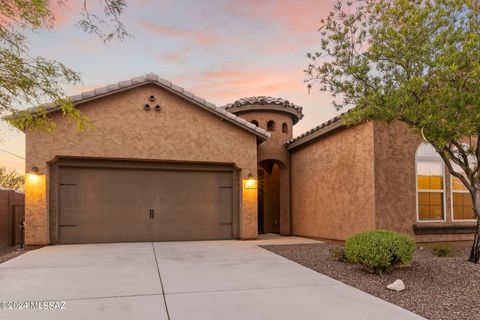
(266, 103)
(155, 79)
(8, 189)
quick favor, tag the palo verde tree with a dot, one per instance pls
(27, 80)
(11, 179)
(414, 61)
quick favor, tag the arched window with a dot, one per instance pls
(255, 122)
(430, 184)
(271, 125)
(285, 128)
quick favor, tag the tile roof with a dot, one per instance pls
(155, 79)
(323, 128)
(263, 100)
(296, 110)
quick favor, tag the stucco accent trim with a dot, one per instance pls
(443, 228)
(152, 78)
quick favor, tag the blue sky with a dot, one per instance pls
(220, 50)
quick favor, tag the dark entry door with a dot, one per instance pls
(127, 205)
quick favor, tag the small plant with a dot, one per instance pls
(442, 250)
(380, 250)
(338, 254)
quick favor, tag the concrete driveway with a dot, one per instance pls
(179, 281)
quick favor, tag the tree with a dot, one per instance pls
(31, 81)
(11, 179)
(414, 61)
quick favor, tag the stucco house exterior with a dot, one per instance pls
(163, 164)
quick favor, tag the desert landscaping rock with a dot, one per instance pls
(397, 285)
(438, 288)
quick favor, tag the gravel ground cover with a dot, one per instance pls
(436, 288)
(8, 253)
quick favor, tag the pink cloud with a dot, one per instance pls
(174, 32)
(296, 16)
(177, 56)
(63, 12)
(227, 84)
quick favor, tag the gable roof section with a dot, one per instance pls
(321, 130)
(169, 86)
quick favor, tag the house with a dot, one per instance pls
(163, 164)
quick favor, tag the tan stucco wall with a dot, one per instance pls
(333, 185)
(181, 131)
(274, 150)
(395, 182)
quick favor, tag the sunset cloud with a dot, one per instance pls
(296, 16)
(176, 32)
(220, 50)
(176, 56)
(223, 84)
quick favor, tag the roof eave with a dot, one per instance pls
(322, 132)
(169, 86)
(292, 112)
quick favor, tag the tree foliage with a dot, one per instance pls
(415, 61)
(11, 179)
(27, 80)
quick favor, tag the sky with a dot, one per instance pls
(221, 50)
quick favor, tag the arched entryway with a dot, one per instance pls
(273, 198)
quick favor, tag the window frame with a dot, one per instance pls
(430, 159)
(451, 201)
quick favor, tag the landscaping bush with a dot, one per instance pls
(442, 250)
(379, 250)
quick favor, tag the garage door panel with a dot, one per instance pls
(112, 205)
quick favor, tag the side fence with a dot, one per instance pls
(12, 215)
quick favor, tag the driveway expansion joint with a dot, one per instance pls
(161, 282)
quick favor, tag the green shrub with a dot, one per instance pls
(442, 250)
(379, 250)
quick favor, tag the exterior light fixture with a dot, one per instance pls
(34, 171)
(250, 182)
(33, 175)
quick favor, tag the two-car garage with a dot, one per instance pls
(116, 201)
(157, 164)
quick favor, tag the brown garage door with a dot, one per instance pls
(124, 205)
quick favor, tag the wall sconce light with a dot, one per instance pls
(250, 182)
(34, 171)
(33, 174)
